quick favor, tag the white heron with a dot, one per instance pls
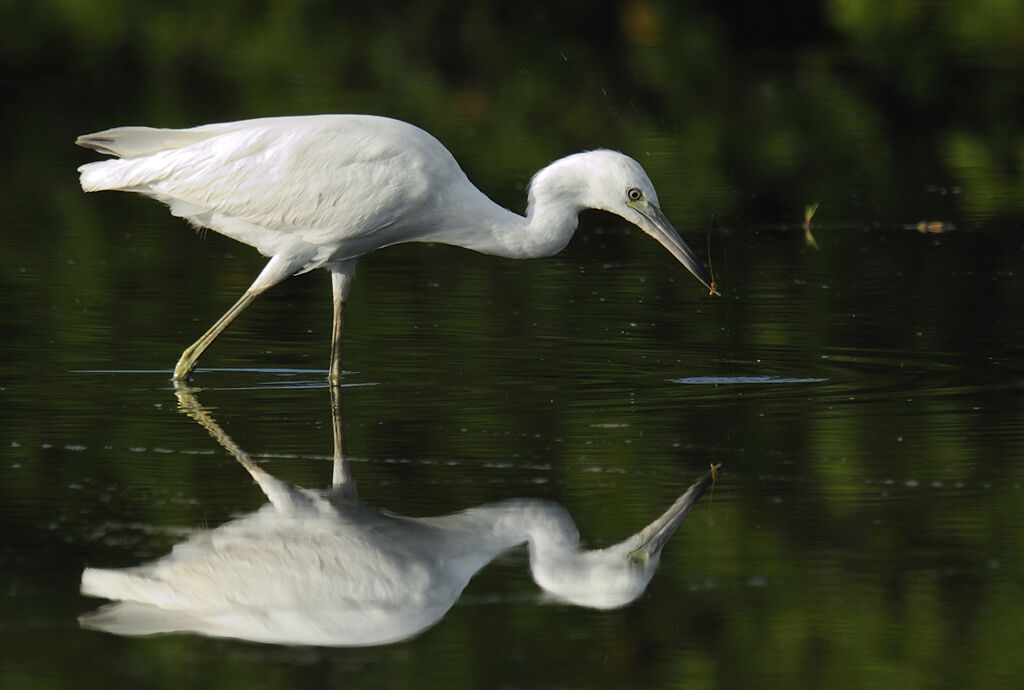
(320, 191)
(322, 568)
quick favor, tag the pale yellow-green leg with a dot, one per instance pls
(280, 493)
(341, 478)
(191, 355)
(334, 373)
(276, 270)
(341, 281)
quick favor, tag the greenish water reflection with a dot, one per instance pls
(864, 398)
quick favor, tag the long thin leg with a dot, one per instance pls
(341, 281)
(341, 478)
(284, 496)
(190, 356)
(276, 270)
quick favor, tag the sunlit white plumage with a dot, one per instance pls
(320, 191)
(321, 567)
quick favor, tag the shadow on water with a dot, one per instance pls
(320, 567)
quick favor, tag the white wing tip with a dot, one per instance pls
(91, 177)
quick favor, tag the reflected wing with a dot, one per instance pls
(137, 618)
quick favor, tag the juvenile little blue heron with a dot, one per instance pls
(320, 191)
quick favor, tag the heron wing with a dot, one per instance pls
(321, 179)
(133, 142)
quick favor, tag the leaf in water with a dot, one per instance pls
(809, 212)
(935, 227)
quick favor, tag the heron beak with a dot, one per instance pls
(654, 537)
(655, 224)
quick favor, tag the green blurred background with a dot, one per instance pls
(733, 97)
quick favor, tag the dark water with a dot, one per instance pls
(863, 397)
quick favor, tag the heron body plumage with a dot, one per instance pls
(323, 190)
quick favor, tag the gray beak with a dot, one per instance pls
(655, 224)
(655, 535)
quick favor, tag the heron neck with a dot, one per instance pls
(489, 529)
(487, 227)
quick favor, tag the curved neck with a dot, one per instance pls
(484, 226)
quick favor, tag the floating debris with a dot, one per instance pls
(714, 480)
(934, 227)
(711, 269)
(809, 212)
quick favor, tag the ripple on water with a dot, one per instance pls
(733, 380)
(852, 374)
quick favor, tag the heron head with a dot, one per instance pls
(612, 577)
(602, 579)
(618, 184)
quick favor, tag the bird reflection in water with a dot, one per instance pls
(319, 567)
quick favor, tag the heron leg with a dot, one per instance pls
(282, 495)
(191, 355)
(341, 281)
(341, 479)
(276, 270)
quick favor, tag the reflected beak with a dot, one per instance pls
(653, 537)
(655, 224)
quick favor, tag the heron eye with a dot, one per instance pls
(634, 194)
